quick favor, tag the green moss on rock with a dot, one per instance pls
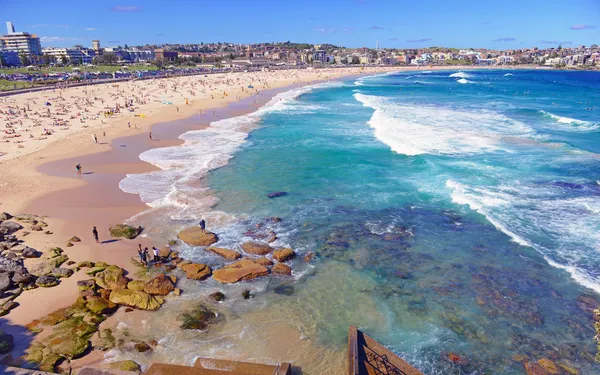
(124, 231)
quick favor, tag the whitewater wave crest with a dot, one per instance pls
(414, 130)
(460, 75)
(177, 184)
(580, 125)
(462, 80)
(522, 212)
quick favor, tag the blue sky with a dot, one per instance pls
(501, 24)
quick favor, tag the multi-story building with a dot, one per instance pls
(164, 55)
(77, 55)
(20, 42)
(96, 47)
(320, 56)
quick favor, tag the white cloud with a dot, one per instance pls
(56, 38)
(90, 29)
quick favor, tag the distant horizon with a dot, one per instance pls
(349, 23)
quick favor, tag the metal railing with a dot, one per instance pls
(380, 363)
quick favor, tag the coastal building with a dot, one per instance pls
(75, 55)
(165, 55)
(96, 47)
(9, 58)
(20, 42)
(320, 56)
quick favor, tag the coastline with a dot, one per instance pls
(45, 185)
(73, 205)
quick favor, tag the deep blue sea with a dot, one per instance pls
(450, 212)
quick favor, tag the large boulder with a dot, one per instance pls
(46, 266)
(283, 255)
(193, 236)
(5, 216)
(46, 281)
(139, 299)
(199, 318)
(244, 269)
(29, 252)
(160, 285)
(225, 253)
(136, 285)
(277, 194)
(9, 227)
(86, 285)
(5, 282)
(22, 277)
(263, 261)
(111, 278)
(70, 338)
(62, 272)
(196, 271)
(124, 231)
(256, 248)
(126, 365)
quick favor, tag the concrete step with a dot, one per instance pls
(206, 366)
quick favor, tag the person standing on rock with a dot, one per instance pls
(156, 257)
(202, 226)
(95, 233)
(145, 256)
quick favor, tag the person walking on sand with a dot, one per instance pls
(78, 168)
(150, 135)
(95, 233)
(156, 257)
(202, 226)
(95, 138)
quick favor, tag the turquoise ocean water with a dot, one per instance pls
(449, 211)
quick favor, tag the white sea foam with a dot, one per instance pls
(462, 80)
(523, 211)
(177, 184)
(421, 129)
(575, 124)
(508, 74)
(460, 75)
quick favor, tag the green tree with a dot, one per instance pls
(2, 60)
(63, 59)
(24, 58)
(46, 59)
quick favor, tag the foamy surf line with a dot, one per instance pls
(177, 185)
(459, 195)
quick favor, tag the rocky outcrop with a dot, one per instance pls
(217, 296)
(276, 194)
(256, 248)
(62, 272)
(29, 252)
(112, 277)
(99, 305)
(244, 269)
(263, 261)
(136, 285)
(46, 281)
(9, 227)
(124, 231)
(139, 299)
(282, 269)
(127, 365)
(196, 271)
(193, 236)
(160, 285)
(74, 239)
(199, 318)
(283, 255)
(86, 284)
(225, 253)
(6, 343)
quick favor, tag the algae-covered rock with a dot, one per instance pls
(62, 272)
(195, 237)
(127, 365)
(74, 239)
(55, 252)
(142, 347)
(139, 299)
(217, 296)
(199, 318)
(160, 285)
(124, 231)
(46, 266)
(99, 305)
(70, 338)
(104, 340)
(86, 284)
(136, 285)
(44, 358)
(85, 264)
(94, 270)
(256, 248)
(46, 281)
(112, 277)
